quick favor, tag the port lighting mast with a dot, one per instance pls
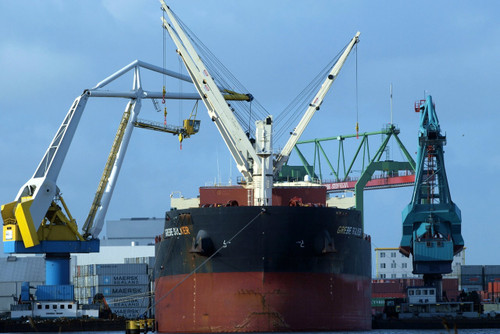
(431, 222)
(255, 163)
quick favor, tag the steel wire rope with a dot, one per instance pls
(226, 79)
(225, 245)
(312, 84)
(164, 56)
(357, 104)
(295, 108)
(241, 110)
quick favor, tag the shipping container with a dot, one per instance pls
(389, 295)
(470, 288)
(491, 278)
(494, 288)
(85, 292)
(471, 280)
(122, 290)
(122, 279)
(492, 270)
(387, 288)
(121, 268)
(116, 302)
(471, 270)
(117, 279)
(131, 313)
(149, 260)
(55, 292)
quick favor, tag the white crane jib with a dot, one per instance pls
(313, 106)
(255, 163)
(250, 163)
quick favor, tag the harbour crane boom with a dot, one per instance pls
(35, 196)
(35, 218)
(315, 104)
(38, 221)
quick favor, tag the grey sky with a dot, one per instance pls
(50, 51)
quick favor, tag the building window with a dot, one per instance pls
(404, 265)
(39, 306)
(382, 265)
(382, 275)
(70, 306)
(54, 306)
(393, 275)
(62, 306)
(382, 254)
(404, 276)
(393, 254)
(393, 265)
(47, 307)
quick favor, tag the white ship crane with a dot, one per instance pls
(315, 104)
(255, 163)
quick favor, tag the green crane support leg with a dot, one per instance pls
(367, 175)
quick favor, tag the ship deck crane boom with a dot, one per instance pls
(235, 138)
(431, 222)
(314, 106)
(255, 163)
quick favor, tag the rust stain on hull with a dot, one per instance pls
(303, 302)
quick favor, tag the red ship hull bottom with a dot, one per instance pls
(262, 302)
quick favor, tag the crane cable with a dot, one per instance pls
(357, 111)
(164, 90)
(224, 78)
(295, 109)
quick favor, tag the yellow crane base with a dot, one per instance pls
(140, 326)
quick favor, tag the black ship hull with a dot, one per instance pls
(253, 269)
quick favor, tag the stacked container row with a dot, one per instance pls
(125, 286)
(477, 277)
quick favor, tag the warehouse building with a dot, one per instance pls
(391, 264)
(15, 270)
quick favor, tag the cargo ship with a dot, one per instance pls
(263, 269)
(265, 255)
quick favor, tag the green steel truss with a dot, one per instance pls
(342, 169)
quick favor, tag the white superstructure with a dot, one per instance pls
(389, 263)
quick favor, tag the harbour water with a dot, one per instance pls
(378, 331)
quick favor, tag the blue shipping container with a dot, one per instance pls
(55, 292)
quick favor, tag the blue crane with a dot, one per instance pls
(431, 222)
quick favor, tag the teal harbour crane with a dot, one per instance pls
(431, 222)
